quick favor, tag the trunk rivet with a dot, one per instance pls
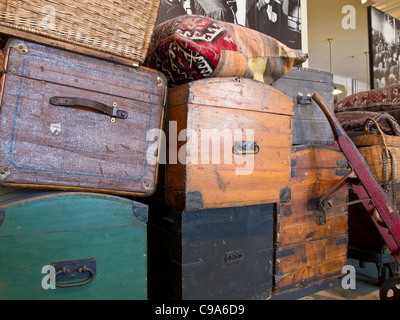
(159, 82)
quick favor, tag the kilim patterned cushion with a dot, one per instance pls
(353, 122)
(193, 47)
(382, 99)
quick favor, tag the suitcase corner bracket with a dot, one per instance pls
(4, 172)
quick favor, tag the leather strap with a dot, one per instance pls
(74, 101)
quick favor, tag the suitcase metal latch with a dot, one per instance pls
(233, 256)
(304, 99)
(246, 147)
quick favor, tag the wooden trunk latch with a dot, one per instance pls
(304, 99)
(246, 147)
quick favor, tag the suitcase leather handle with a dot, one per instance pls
(74, 269)
(112, 111)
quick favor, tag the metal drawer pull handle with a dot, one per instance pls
(304, 100)
(246, 147)
(83, 269)
(73, 102)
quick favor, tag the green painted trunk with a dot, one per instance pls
(44, 227)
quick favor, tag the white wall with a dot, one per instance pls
(304, 29)
(325, 18)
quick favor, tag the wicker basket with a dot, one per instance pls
(373, 140)
(380, 152)
(118, 27)
(373, 155)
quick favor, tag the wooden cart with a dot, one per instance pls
(370, 193)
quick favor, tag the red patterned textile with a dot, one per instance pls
(193, 47)
(182, 60)
(383, 99)
(353, 122)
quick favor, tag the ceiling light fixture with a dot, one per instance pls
(363, 1)
(336, 91)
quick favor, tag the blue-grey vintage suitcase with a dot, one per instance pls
(76, 123)
(69, 245)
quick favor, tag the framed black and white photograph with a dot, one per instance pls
(384, 48)
(280, 19)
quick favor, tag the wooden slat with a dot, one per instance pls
(312, 232)
(317, 156)
(224, 188)
(310, 275)
(243, 94)
(305, 74)
(74, 70)
(309, 252)
(298, 215)
(313, 183)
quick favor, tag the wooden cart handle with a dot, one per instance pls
(337, 129)
(72, 102)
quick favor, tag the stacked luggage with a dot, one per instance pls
(194, 162)
(75, 111)
(223, 206)
(224, 229)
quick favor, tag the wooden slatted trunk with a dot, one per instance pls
(307, 252)
(309, 123)
(229, 144)
(77, 147)
(107, 234)
(213, 254)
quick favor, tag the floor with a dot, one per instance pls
(366, 286)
